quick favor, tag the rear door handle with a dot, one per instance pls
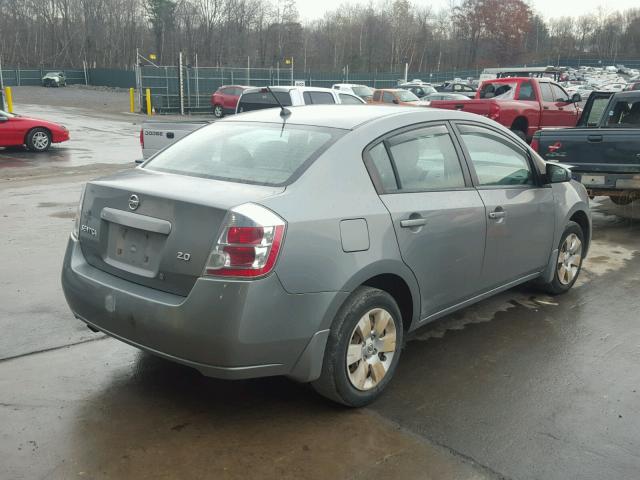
(545, 108)
(459, 107)
(594, 138)
(412, 222)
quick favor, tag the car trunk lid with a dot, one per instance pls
(157, 229)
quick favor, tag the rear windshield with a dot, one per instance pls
(260, 100)
(257, 153)
(498, 90)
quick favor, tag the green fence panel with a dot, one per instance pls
(111, 77)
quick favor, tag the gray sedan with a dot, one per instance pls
(308, 242)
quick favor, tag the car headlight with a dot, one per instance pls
(76, 222)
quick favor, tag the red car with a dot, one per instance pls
(225, 99)
(37, 135)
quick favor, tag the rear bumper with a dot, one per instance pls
(601, 183)
(225, 329)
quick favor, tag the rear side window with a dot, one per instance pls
(257, 153)
(377, 95)
(597, 110)
(426, 159)
(260, 100)
(318, 98)
(496, 160)
(382, 164)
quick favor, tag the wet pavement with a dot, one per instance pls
(522, 385)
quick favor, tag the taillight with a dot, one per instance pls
(249, 243)
(142, 138)
(535, 144)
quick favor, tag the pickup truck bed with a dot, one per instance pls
(604, 149)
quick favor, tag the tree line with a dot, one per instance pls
(378, 37)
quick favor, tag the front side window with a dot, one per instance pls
(496, 160)
(559, 94)
(526, 91)
(407, 96)
(387, 97)
(547, 94)
(349, 100)
(425, 159)
(252, 152)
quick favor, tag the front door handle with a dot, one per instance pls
(413, 222)
(594, 138)
(497, 214)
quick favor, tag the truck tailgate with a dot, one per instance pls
(157, 135)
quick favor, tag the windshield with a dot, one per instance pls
(498, 90)
(6, 114)
(363, 91)
(257, 153)
(406, 96)
(52, 74)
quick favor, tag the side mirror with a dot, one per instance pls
(576, 98)
(557, 173)
(4, 119)
(395, 100)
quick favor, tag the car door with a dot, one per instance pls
(551, 116)
(437, 216)
(567, 110)
(230, 99)
(519, 210)
(11, 132)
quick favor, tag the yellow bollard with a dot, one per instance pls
(148, 95)
(132, 100)
(9, 99)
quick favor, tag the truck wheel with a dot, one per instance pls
(569, 261)
(624, 199)
(363, 348)
(217, 111)
(38, 140)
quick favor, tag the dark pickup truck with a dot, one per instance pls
(603, 149)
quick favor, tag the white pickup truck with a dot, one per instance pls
(156, 135)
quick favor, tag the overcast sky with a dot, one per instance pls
(312, 9)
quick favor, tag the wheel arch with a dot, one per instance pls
(582, 219)
(520, 123)
(395, 278)
(26, 135)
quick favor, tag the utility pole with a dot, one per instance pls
(181, 82)
(292, 72)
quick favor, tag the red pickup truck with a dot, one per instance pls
(525, 105)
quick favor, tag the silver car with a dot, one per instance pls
(307, 242)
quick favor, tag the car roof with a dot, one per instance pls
(289, 88)
(389, 89)
(347, 117)
(349, 85)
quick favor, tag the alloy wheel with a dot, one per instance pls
(569, 259)
(371, 349)
(40, 140)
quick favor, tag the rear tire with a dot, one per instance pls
(218, 112)
(363, 348)
(569, 262)
(38, 140)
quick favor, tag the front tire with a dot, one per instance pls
(363, 348)
(569, 262)
(38, 140)
(217, 111)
